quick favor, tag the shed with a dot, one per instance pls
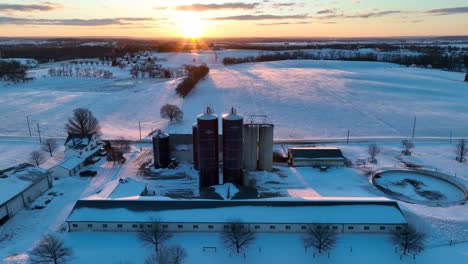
(315, 156)
(68, 167)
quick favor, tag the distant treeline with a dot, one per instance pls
(44, 53)
(13, 71)
(195, 74)
(458, 62)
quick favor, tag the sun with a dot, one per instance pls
(191, 26)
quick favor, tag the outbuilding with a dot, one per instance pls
(342, 214)
(20, 186)
(315, 156)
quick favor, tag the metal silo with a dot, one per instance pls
(250, 146)
(195, 146)
(265, 147)
(161, 150)
(208, 153)
(232, 147)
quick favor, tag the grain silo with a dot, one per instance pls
(195, 146)
(232, 147)
(250, 146)
(265, 147)
(207, 139)
(161, 150)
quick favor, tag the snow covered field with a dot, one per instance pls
(305, 99)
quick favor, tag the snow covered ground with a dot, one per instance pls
(304, 99)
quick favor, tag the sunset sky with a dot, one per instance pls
(231, 18)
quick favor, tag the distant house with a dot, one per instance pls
(315, 156)
(78, 148)
(20, 186)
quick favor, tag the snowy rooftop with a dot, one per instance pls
(363, 211)
(16, 179)
(311, 153)
(71, 163)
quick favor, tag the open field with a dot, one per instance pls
(304, 99)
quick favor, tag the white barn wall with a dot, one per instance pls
(218, 227)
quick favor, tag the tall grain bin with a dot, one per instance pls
(250, 146)
(195, 145)
(207, 138)
(161, 150)
(232, 147)
(265, 147)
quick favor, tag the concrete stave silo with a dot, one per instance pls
(250, 146)
(208, 152)
(161, 150)
(232, 147)
(265, 147)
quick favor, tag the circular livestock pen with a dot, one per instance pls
(426, 187)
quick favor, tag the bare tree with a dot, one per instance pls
(37, 157)
(155, 235)
(168, 255)
(407, 146)
(82, 123)
(321, 239)
(171, 112)
(373, 151)
(461, 150)
(236, 236)
(178, 254)
(51, 249)
(50, 145)
(408, 240)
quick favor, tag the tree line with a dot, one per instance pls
(195, 74)
(453, 62)
(13, 71)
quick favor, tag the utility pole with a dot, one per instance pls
(39, 132)
(139, 125)
(450, 136)
(347, 138)
(414, 127)
(29, 127)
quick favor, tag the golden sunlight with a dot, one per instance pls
(190, 25)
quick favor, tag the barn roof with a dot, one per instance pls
(342, 211)
(315, 153)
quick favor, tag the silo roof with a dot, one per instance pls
(207, 117)
(232, 116)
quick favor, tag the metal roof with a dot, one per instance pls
(315, 153)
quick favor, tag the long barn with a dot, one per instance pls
(347, 215)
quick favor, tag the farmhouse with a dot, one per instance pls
(19, 187)
(81, 145)
(78, 148)
(315, 156)
(348, 215)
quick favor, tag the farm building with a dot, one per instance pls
(81, 145)
(78, 148)
(315, 156)
(68, 167)
(348, 215)
(19, 187)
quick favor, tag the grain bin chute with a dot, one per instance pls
(195, 145)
